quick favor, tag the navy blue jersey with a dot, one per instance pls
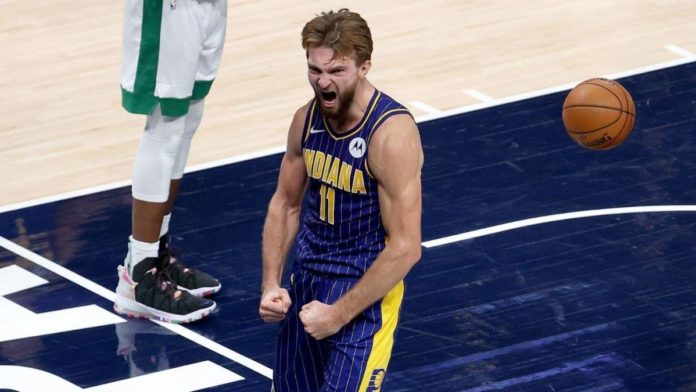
(341, 231)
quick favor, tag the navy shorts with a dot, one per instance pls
(354, 359)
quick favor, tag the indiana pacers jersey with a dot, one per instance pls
(341, 235)
(341, 231)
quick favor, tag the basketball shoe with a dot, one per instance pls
(196, 282)
(150, 293)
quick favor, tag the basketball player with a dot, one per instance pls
(349, 188)
(171, 53)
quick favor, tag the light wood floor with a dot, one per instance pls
(63, 129)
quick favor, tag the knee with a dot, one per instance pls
(165, 135)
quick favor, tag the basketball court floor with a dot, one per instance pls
(545, 267)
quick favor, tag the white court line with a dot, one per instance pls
(425, 107)
(192, 377)
(681, 51)
(110, 295)
(419, 119)
(57, 269)
(554, 218)
(479, 95)
(551, 90)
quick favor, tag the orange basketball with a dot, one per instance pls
(599, 114)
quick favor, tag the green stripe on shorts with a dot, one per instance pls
(175, 107)
(201, 89)
(142, 100)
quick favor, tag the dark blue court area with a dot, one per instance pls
(604, 303)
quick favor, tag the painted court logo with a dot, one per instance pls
(357, 147)
(376, 380)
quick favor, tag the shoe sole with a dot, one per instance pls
(130, 308)
(201, 291)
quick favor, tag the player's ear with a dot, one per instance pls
(364, 68)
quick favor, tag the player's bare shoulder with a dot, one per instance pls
(297, 128)
(298, 119)
(396, 144)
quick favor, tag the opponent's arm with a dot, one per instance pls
(396, 159)
(282, 223)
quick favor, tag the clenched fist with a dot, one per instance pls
(321, 320)
(275, 303)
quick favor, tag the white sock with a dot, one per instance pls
(165, 224)
(138, 251)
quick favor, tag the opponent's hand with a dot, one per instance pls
(275, 303)
(321, 320)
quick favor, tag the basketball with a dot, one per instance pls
(599, 114)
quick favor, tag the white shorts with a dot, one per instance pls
(171, 52)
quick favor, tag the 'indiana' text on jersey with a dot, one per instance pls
(341, 230)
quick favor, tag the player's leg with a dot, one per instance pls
(194, 281)
(143, 291)
(209, 18)
(166, 44)
(168, 40)
(361, 351)
(192, 122)
(299, 357)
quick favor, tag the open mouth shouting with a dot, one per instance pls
(328, 98)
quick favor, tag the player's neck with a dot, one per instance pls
(361, 100)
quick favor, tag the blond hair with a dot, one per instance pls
(343, 31)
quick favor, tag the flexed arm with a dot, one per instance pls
(282, 223)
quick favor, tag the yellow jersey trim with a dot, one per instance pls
(309, 118)
(363, 121)
(383, 341)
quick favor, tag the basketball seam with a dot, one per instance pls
(616, 140)
(598, 106)
(629, 118)
(604, 87)
(598, 129)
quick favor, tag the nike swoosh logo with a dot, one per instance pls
(312, 130)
